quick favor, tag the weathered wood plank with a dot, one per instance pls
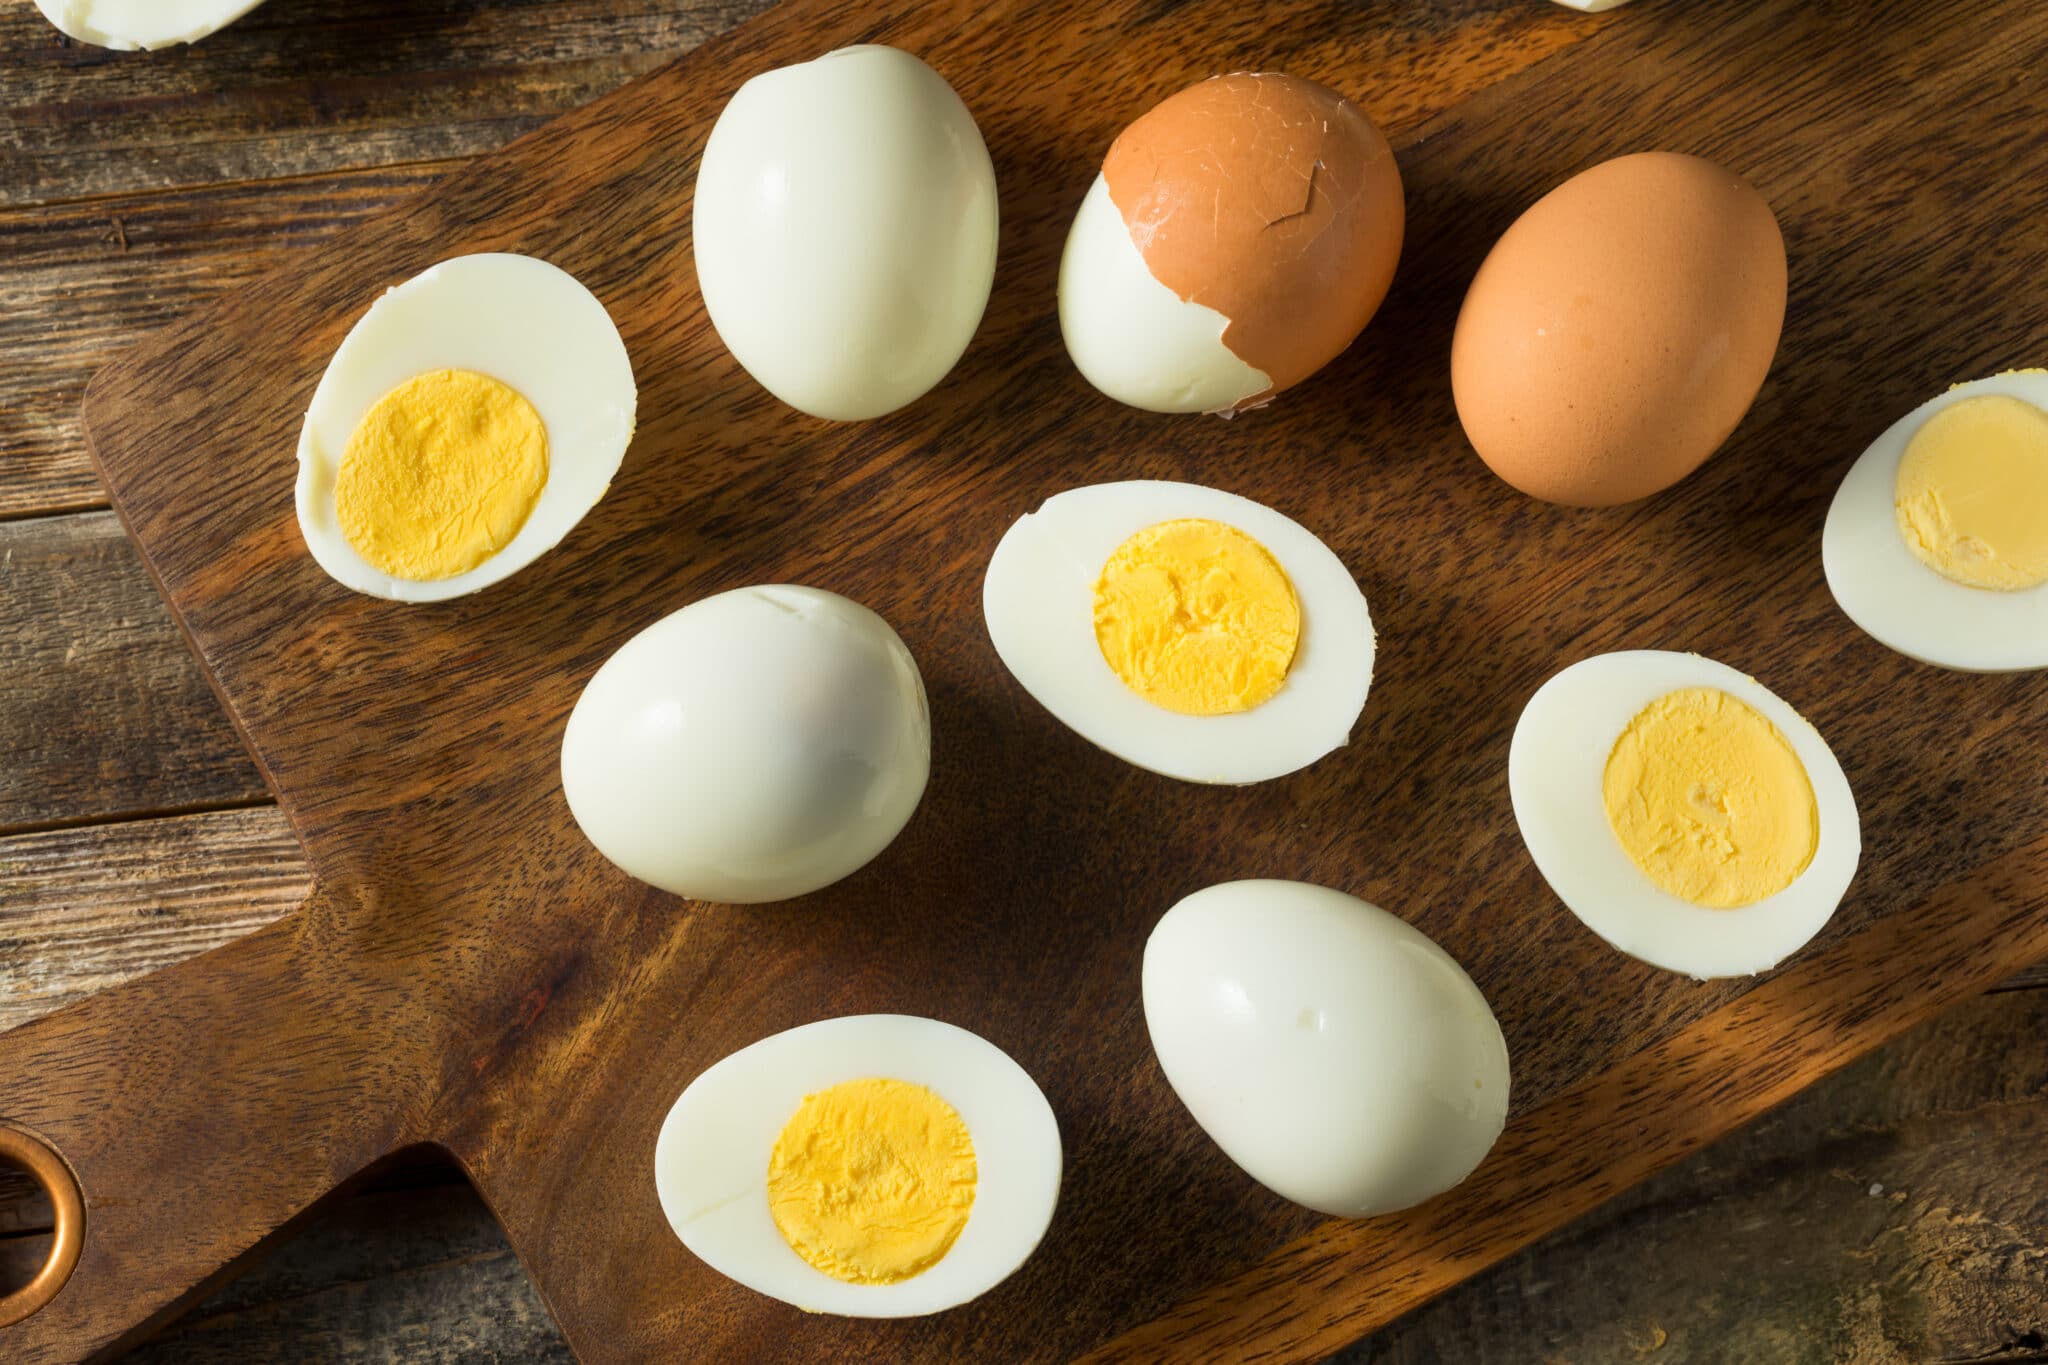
(1896, 1213)
(104, 712)
(305, 86)
(84, 909)
(84, 281)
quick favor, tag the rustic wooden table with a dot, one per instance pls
(1897, 1212)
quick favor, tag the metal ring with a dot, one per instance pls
(41, 1161)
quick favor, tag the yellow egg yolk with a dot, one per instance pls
(1709, 800)
(1197, 617)
(1972, 493)
(440, 474)
(872, 1180)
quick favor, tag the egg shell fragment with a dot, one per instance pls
(1331, 1049)
(756, 745)
(1620, 329)
(1038, 599)
(711, 1158)
(1883, 587)
(1555, 765)
(844, 225)
(516, 319)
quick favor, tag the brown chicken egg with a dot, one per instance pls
(1241, 233)
(1620, 329)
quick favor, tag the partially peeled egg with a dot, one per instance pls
(1240, 235)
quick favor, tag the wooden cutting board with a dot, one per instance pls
(469, 973)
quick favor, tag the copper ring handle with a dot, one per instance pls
(41, 1161)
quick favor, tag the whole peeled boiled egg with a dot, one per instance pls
(466, 423)
(1241, 234)
(1619, 330)
(1184, 629)
(126, 25)
(874, 1166)
(1683, 811)
(1332, 1050)
(755, 745)
(1937, 542)
(845, 230)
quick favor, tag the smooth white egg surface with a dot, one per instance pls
(711, 1162)
(126, 25)
(1902, 602)
(753, 746)
(520, 321)
(1039, 602)
(1556, 765)
(1132, 337)
(1331, 1049)
(845, 230)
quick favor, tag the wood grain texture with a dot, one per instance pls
(85, 909)
(105, 713)
(451, 982)
(309, 86)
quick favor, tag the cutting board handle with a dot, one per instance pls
(198, 1109)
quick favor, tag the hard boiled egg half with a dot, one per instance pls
(129, 24)
(875, 1166)
(1937, 542)
(1186, 630)
(467, 421)
(845, 230)
(1682, 811)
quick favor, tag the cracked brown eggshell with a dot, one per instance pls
(1273, 202)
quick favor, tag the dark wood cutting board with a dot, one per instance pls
(470, 973)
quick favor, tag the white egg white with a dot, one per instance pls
(753, 746)
(1131, 336)
(1332, 1050)
(1039, 602)
(711, 1160)
(1883, 587)
(844, 228)
(1556, 764)
(517, 320)
(125, 25)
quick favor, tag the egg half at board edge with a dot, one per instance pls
(844, 230)
(1240, 235)
(1616, 334)
(126, 25)
(1592, 6)
(1186, 630)
(466, 423)
(1331, 1049)
(755, 745)
(766, 1166)
(1937, 541)
(1682, 811)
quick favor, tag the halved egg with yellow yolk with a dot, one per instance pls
(469, 419)
(1184, 629)
(1682, 811)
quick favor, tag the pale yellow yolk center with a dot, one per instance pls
(872, 1180)
(1709, 800)
(440, 474)
(1973, 493)
(1197, 617)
